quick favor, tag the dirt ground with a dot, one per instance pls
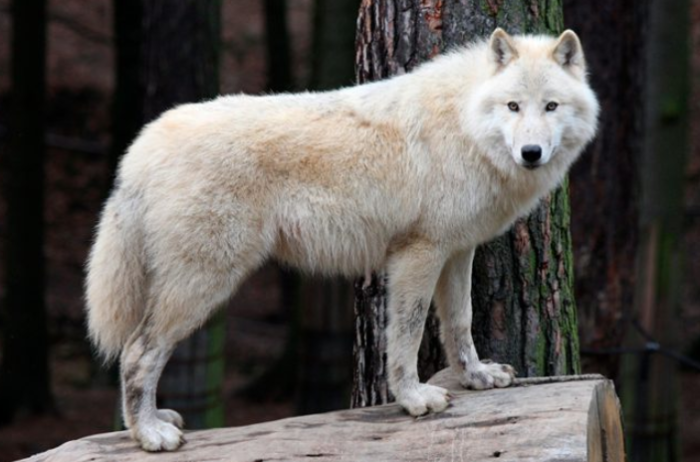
(86, 401)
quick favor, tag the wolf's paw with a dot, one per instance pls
(170, 416)
(486, 374)
(158, 436)
(423, 398)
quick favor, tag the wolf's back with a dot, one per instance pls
(115, 285)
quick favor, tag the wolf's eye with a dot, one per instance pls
(551, 106)
(513, 106)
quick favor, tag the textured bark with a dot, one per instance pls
(24, 372)
(605, 181)
(524, 310)
(650, 381)
(180, 53)
(369, 384)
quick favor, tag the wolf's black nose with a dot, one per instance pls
(531, 153)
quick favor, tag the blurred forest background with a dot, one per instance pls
(284, 353)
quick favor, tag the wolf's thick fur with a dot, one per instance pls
(408, 175)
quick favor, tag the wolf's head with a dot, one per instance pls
(536, 105)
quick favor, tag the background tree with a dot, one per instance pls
(180, 63)
(279, 380)
(605, 187)
(333, 45)
(524, 310)
(24, 373)
(278, 47)
(649, 385)
(326, 317)
(128, 97)
(314, 365)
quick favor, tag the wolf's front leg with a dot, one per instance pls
(142, 363)
(412, 273)
(454, 307)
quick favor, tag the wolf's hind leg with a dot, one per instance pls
(412, 276)
(142, 363)
(454, 307)
(180, 302)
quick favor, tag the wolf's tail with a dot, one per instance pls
(115, 285)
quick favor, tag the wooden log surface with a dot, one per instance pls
(574, 418)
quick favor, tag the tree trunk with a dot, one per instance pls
(279, 62)
(128, 97)
(24, 375)
(280, 380)
(333, 45)
(181, 64)
(524, 310)
(325, 345)
(605, 181)
(181, 41)
(369, 378)
(649, 385)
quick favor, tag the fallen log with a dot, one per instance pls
(573, 418)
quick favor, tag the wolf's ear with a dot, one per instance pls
(569, 53)
(502, 48)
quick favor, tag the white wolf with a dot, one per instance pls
(408, 175)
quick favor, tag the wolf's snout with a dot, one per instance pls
(532, 154)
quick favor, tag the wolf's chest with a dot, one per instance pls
(480, 214)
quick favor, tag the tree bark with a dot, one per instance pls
(605, 181)
(524, 310)
(369, 380)
(24, 373)
(181, 41)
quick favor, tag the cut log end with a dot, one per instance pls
(606, 440)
